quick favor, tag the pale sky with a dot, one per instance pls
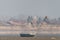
(42, 8)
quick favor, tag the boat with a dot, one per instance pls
(26, 35)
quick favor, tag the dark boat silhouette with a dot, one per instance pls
(26, 35)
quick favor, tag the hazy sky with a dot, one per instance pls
(42, 8)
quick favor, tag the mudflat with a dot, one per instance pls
(29, 38)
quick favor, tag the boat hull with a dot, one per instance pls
(26, 35)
